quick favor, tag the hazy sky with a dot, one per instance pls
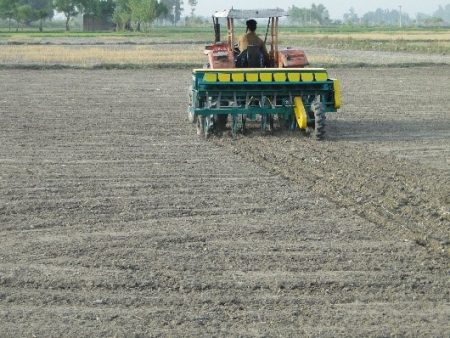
(336, 8)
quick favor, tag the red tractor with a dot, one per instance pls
(222, 55)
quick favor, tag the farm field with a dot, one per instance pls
(117, 220)
(180, 34)
(182, 47)
(186, 55)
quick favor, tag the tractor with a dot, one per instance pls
(283, 92)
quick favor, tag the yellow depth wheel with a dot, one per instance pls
(300, 113)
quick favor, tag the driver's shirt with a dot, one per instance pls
(250, 38)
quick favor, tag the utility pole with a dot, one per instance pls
(400, 16)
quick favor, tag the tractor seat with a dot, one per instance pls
(252, 57)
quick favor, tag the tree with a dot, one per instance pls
(24, 15)
(193, 4)
(434, 21)
(385, 17)
(298, 15)
(316, 15)
(42, 10)
(8, 10)
(174, 9)
(320, 13)
(443, 13)
(26, 11)
(122, 14)
(162, 10)
(130, 14)
(138, 9)
(351, 17)
(138, 12)
(70, 8)
(90, 7)
(98, 8)
(107, 8)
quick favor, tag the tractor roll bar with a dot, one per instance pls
(250, 13)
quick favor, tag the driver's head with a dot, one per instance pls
(251, 25)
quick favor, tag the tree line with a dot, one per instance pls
(139, 15)
(126, 14)
(396, 17)
(318, 15)
(26, 11)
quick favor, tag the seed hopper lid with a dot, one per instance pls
(250, 13)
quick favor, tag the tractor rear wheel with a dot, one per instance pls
(319, 119)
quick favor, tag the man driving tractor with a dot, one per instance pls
(253, 47)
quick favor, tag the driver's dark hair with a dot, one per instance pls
(251, 25)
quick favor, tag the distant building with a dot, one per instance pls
(93, 23)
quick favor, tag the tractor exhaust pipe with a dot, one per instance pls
(216, 30)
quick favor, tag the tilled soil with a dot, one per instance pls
(117, 220)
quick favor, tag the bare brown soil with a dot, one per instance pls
(117, 220)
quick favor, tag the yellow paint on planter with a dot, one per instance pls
(224, 77)
(265, 77)
(279, 77)
(320, 77)
(300, 113)
(307, 77)
(210, 77)
(294, 77)
(337, 94)
(238, 77)
(251, 77)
